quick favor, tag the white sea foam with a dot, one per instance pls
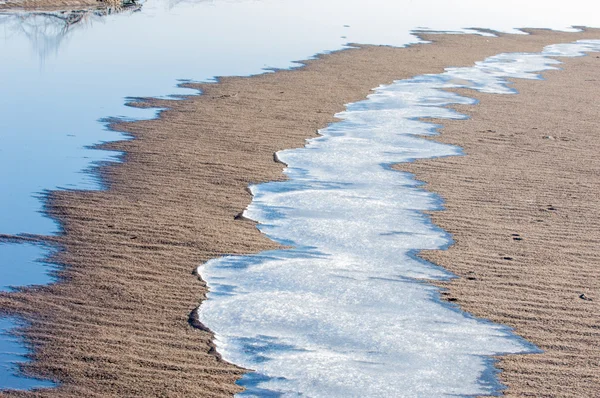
(342, 313)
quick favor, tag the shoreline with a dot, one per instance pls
(97, 332)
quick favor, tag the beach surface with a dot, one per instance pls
(522, 207)
(50, 5)
(118, 323)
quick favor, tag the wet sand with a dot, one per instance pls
(118, 322)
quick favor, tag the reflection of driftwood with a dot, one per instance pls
(68, 18)
(74, 16)
(46, 30)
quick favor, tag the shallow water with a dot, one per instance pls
(57, 82)
(12, 352)
(345, 311)
(22, 265)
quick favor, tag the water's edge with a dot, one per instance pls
(34, 250)
(93, 171)
(282, 313)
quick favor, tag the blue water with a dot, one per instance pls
(22, 264)
(57, 83)
(12, 352)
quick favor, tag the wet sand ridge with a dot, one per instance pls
(117, 324)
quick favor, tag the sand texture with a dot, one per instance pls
(117, 325)
(524, 209)
(51, 5)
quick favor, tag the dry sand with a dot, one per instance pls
(524, 209)
(117, 325)
(51, 5)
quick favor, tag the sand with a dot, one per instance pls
(50, 5)
(524, 209)
(117, 325)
